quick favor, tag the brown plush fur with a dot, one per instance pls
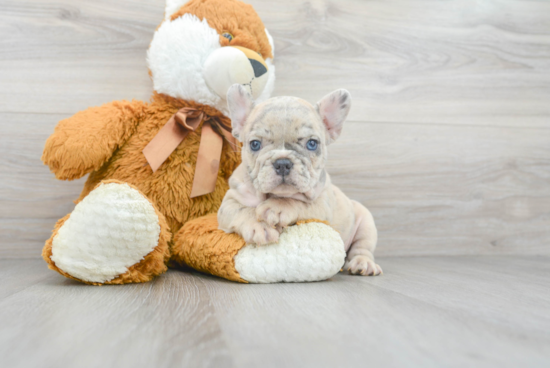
(202, 246)
(153, 264)
(240, 21)
(81, 144)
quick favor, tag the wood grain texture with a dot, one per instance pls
(482, 311)
(406, 61)
(448, 189)
(447, 141)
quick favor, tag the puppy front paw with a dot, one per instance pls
(259, 233)
(275, 215)
(362, 265)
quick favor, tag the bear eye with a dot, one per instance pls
(227, 35)
(255, 145)
(312, 144)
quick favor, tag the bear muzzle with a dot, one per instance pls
(235, 64)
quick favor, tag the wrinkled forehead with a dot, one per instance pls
(281, 117)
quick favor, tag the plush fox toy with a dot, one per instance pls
(132, 204)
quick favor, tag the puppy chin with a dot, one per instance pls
(268, 182)
(273, 185)
(284, 190)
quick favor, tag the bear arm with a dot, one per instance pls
(84, 142)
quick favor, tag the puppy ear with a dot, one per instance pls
(333, 109)
(240, 104)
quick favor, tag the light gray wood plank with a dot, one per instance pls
(420, 61)
(483, 311)
(165, 323)
(421, 313)
(21, 274)
(31, 199)
(64, 56)
(449, 189)
(456, 63)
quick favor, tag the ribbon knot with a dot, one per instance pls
(179, 126)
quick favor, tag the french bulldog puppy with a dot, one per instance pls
(282, 177)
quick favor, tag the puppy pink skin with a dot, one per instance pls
(262, 201)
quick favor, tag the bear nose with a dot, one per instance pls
(259, 68)
(282, 166)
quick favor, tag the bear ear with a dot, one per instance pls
(240, 104)
(172, 6)
(333, 110)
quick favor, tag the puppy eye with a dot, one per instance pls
(227, 35)
(312, 144)
(255, 145)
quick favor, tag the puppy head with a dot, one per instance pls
(285, 139)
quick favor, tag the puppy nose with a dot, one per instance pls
(259, 68)
(282, 166)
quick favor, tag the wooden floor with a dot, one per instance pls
(447, 143)
(461, 311)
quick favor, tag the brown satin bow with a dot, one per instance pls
(179, 126)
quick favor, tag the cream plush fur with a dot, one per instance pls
(309, 252)
(115, 226)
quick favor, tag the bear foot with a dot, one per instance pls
(115, 235)
(307, 251)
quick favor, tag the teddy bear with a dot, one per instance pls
(158, 171)
(154, 166)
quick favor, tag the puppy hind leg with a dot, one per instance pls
(360, 258)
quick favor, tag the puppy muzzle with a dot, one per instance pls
(280, 171)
